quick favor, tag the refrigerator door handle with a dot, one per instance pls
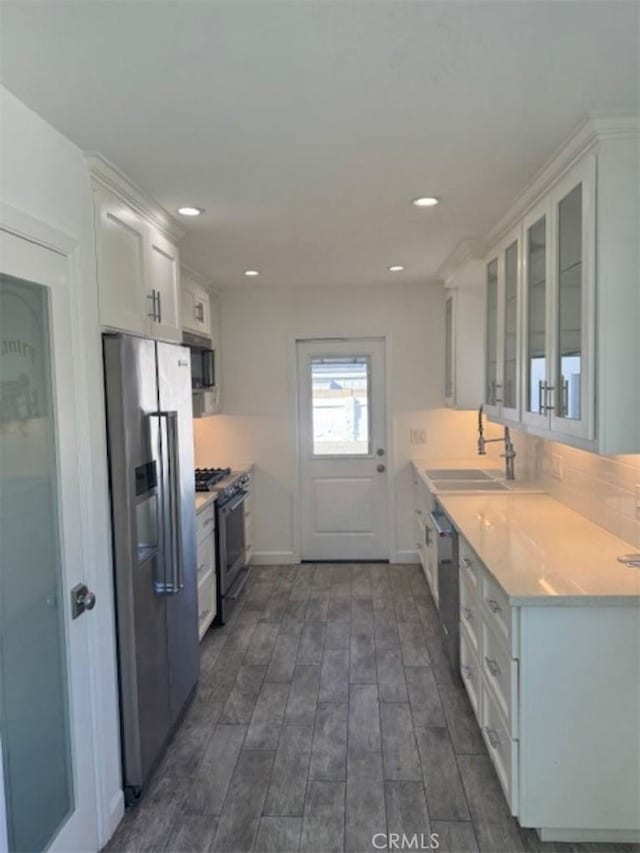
(170, 501)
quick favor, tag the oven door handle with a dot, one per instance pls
(233, 503)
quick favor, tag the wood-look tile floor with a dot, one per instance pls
(326, 713)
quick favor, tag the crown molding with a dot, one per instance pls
(199, 278)
(596, 128)
(468, 252)
(105, 173)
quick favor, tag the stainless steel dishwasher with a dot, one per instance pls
(446, 540)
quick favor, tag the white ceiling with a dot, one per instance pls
(305, 127)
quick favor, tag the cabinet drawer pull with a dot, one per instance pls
(468, 562)
(492, 734)
(493, 605)
(202, 568)
(418, 512)
(207, 521)
(492, 666)
(466, 670)
(466, 612)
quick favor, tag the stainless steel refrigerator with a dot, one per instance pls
(150, 441)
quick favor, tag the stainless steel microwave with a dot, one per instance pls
(203, 362)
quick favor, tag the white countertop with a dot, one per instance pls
(541, 552)
(205, 499)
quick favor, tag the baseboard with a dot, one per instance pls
(591, 836)
(273, 558)
(405, 557)
(116, 813)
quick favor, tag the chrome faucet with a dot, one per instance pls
(509, 454)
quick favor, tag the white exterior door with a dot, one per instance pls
(45, 721)
(343, 449)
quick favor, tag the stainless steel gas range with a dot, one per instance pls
(231, 487)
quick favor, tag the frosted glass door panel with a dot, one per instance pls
(536, 316)
(491, 366)
(33, 658)
(569, 367)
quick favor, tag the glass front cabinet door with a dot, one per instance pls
(570, 399)
(492, 320)
(558, 308)
(502, 323)
(536, 305)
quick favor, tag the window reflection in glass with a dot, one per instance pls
(340, 395)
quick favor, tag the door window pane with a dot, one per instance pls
(491, 367)
(340, 397)
(510, 325)
(34, 712)
(569, 367)
(536, 315)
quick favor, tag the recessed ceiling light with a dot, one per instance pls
(395, 268)
(190, 211)
(251, 272)
(426, 201)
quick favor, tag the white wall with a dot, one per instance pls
(258, 381)
(44, 176)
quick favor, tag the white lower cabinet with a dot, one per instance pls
(556, 692)
(206, 568)
(501, 746)
(426, 542)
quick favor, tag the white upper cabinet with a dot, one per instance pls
(562, 352)
(196, 307)
(137, 260)
(164, 275)
(120, 255)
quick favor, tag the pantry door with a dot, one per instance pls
(46, 735)
(343, 450)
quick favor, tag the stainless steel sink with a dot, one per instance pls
(457, 474)
(470, 486)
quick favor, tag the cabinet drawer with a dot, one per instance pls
(470, 670)
(206, 521)
(469, 608)
(496, 607)
(502, 749)
(205, 556)
(501, 672)
(469, 563)
(207, 603)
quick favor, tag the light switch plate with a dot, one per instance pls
(557, 466)
(417, 436)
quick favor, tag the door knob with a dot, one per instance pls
(380, 451)
(81, 599)
(380, 468)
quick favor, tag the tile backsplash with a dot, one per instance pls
(605, 489)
